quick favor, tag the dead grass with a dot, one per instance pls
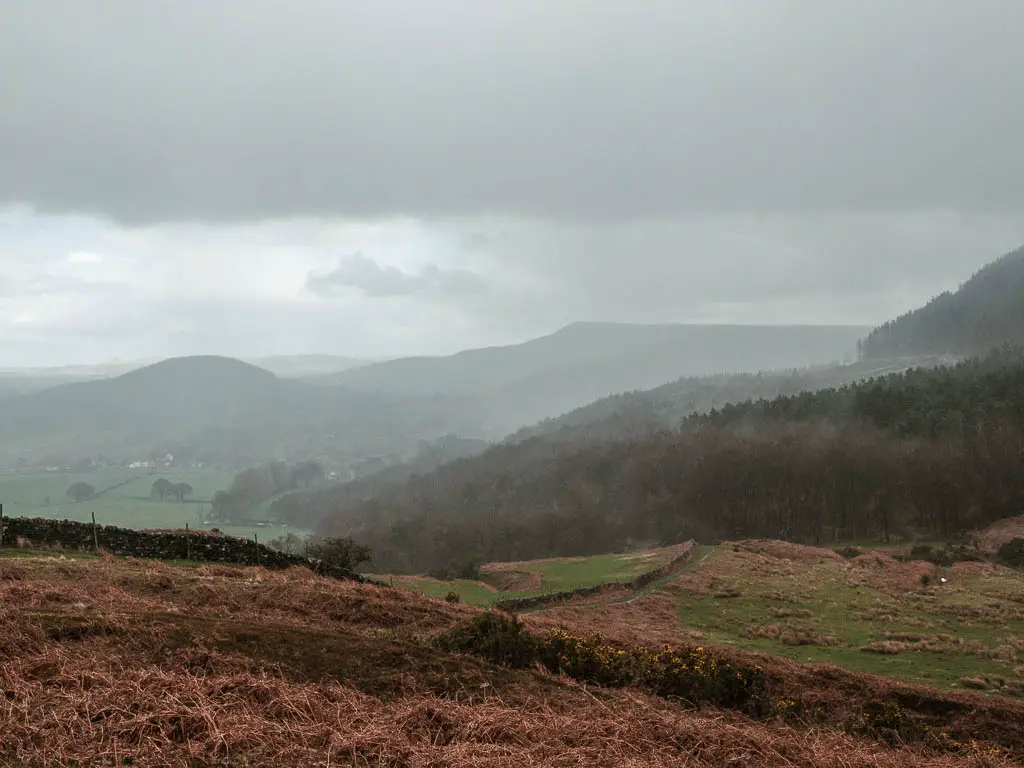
(106, 661)
(514, 581)
(784, 550)
(886, 647)
(993, 537)
(881, 571)
(650, 620)
(235, 716)
(793, 613)
(793, 636)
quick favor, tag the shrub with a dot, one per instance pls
(922, 552)
(1012, 553)
(464, 567)
(849, 552)
(338, 552)
(495, 637)
(453, 597)
(926, 579)
(888, 721)
(945, 557)
(695, 675)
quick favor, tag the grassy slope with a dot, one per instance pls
(125, 504)
(212, 666)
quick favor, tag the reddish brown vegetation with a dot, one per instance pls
(514, 581)
(1001, 532)
(650, 620)
(102, 661)
(882, 571)
(785, 550)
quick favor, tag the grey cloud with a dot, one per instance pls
(858, 268)
(239, 290)
(586, 110)
(366, 275)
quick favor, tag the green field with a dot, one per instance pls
(501, 581)
(123, 499)
(565, 574)
(871, 614)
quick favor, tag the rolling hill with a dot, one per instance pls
(223, 408)
(985, 312)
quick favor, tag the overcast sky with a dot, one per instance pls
(404, 176)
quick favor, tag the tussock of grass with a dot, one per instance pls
(793, 613)
(977, 683)
(885, 648)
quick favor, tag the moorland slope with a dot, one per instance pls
(129, 661)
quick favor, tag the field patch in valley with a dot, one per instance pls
(123, 499)
(500, 581)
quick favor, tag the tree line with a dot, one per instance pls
(257, 485)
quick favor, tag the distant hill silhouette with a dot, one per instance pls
(226, 408)
(239, 412)
(523, 383)
(987, 311)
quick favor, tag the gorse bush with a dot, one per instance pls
(695, 675)
(888, 721)
(495, 637)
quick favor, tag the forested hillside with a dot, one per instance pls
(971, 395)
(987, 311)
(923, 452)
(633, 414)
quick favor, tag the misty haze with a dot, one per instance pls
(521, 383)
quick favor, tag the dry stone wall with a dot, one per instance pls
(158, 546)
